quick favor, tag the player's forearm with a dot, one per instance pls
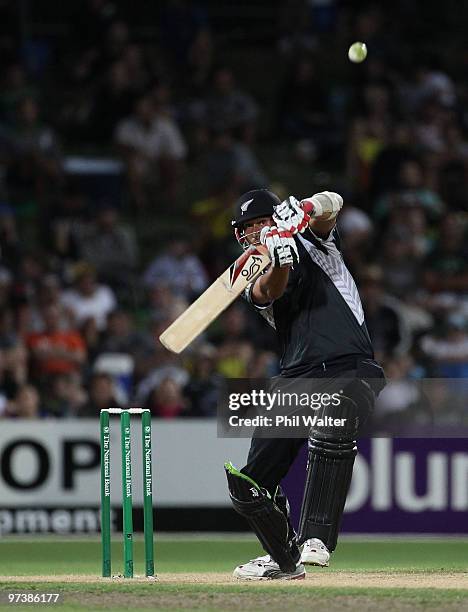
(322, 227)
(323, 209)
(271, 285)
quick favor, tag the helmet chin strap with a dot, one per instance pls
(242, 238)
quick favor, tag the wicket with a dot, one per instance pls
(127, 499)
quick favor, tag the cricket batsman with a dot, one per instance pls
(310, 298)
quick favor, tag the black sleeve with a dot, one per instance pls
(248, 296)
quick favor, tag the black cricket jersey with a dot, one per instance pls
(319, 319)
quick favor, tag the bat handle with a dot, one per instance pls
(261, 248)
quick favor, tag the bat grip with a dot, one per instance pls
(261, 248)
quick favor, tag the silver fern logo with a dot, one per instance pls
(245, 205)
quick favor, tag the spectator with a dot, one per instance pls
(164, 304)
(369, 136)
(203, 388)
(234, 358)
(121, 367)
(384, 321)
(88, 298)
(200, 62)
(303, 105)
(65, 396)
(13, 356)
(9, 238)
(15, 87)
(401, 263)
(153, 356)
(179, 269)
(116, 40)
(121, 335)
(386, 170)
(113, 101)
(446, 267)
(92, 337)
(452, 180)
(49, 293)
(179, 25)
(264, 365)
(234, 343)
(49, 290)
(101, 395)
(230, 162)
(6, 407)
(93, 60)
(149, 142)
(213, 215)
(26, 403)
(411, 191)
(396, 406)
(231, 107)
(166, 401)
(111, 248)
(55, 350)
(233, 325)
(356, 232)
(65, 222)
(165, 366)
(34, 159)
(447, 352)
(24, 292)
(431, 127)
(134, 61)
(5, 287)
(437, 84)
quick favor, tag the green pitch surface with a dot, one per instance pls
(195, 574)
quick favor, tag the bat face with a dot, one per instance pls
(215, 299)
(247, 265)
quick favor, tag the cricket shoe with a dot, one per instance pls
(264, 568)
(315, 552)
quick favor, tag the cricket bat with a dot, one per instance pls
(215, 299)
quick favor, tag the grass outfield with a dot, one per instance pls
(194, 574)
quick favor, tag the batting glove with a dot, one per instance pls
(291, 216)
(281, 246)
(323, 203)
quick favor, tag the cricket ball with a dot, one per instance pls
(357, 52)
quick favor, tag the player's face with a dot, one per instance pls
(253, 228)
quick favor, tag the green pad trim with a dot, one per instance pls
(235, 472)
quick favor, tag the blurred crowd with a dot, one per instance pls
(86, 288)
